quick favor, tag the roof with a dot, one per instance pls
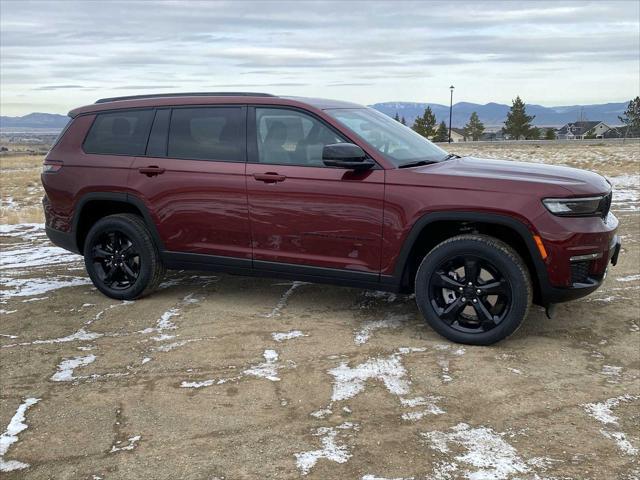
(207, 98)
(578, 128)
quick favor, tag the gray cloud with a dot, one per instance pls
(362, 51)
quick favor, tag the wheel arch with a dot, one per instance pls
(95, 205)
(433, 228)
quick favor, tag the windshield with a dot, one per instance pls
(398, 143)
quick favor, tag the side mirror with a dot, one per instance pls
(346, 155)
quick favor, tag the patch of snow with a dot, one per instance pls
(282, 303)
(268, 369)
(206, 383)
(7, 312)
(322, 412)
(80, 335)
(10, 435)
(36, 299)
(133, 441)
(515, 370)
(8, 336)
(66, 368)
(444, 369)
(611, 371)
(621, 441)
(390, 321)
(629, 278)
(488, 455)
(145, 360)
(172, 346)
(603, 412)
(348, 382)
(330, 450)
(281, 337)
(26, 287)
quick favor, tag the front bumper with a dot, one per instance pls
(587, 284)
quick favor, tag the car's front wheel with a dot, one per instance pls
(121, 258)
(473, 289)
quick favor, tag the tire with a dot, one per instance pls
(488, 310)
(121, 257)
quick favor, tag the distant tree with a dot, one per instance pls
(534, 134)
(591, 134)
(631, 118)
(403, 121)
(518, 123)
(550, 134)
(396, 118)
(442, 134)
(474, 127)
(425, 125)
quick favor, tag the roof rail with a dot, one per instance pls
(188, 94)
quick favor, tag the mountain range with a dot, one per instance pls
(494, 114)
(491, 114)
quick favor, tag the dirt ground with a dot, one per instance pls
(223, 377)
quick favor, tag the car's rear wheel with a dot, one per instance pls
(473, 289)
(121, 257)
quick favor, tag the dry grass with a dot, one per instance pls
(20, 189)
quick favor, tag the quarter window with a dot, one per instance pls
(119, 133)
(289, 137)
(215, 133)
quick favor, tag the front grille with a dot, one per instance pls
(580, 271)
(605, 205)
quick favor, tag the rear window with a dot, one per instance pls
(119, 133)
(214, 133)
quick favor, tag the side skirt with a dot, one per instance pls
(260, 268)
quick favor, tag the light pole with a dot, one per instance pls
(450, 111)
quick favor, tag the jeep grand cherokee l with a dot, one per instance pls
(324, 191)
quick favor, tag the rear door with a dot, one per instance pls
(192, 180)
(302, 212)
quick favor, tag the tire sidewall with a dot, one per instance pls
(506, 265)
(120, 224)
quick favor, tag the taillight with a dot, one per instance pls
(51, 166)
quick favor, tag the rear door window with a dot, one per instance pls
(207, 133)
(119, 133)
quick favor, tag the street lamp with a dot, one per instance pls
(450, 111)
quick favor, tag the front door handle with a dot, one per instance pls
(269, 177)
(151, 170)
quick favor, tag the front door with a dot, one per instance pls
(192, 181)
(303, 213)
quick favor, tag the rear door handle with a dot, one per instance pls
(151, 170)
(269, 177)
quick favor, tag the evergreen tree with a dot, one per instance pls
(631, 118)
(518, 123)
(534, 134)
(474, 128)
(550, 134)
(403, 121)
(396, 118)
(442, 134)
(425, 124)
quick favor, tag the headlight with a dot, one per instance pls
(577, 207)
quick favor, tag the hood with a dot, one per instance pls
(507, 175)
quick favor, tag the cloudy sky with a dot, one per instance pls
(57, 55)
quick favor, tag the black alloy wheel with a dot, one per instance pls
(473, 289)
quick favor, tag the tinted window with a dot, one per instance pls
(289, 137)
(215, 133)
(157, 145)
(119, 133)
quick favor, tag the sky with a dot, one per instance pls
(57, 55)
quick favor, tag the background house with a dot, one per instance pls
(580, 130)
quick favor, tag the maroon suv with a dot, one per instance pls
(323, 191)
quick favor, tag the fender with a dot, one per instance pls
(121, 197)
(525, 233)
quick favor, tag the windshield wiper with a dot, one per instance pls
(417, 163)
(450, 156)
